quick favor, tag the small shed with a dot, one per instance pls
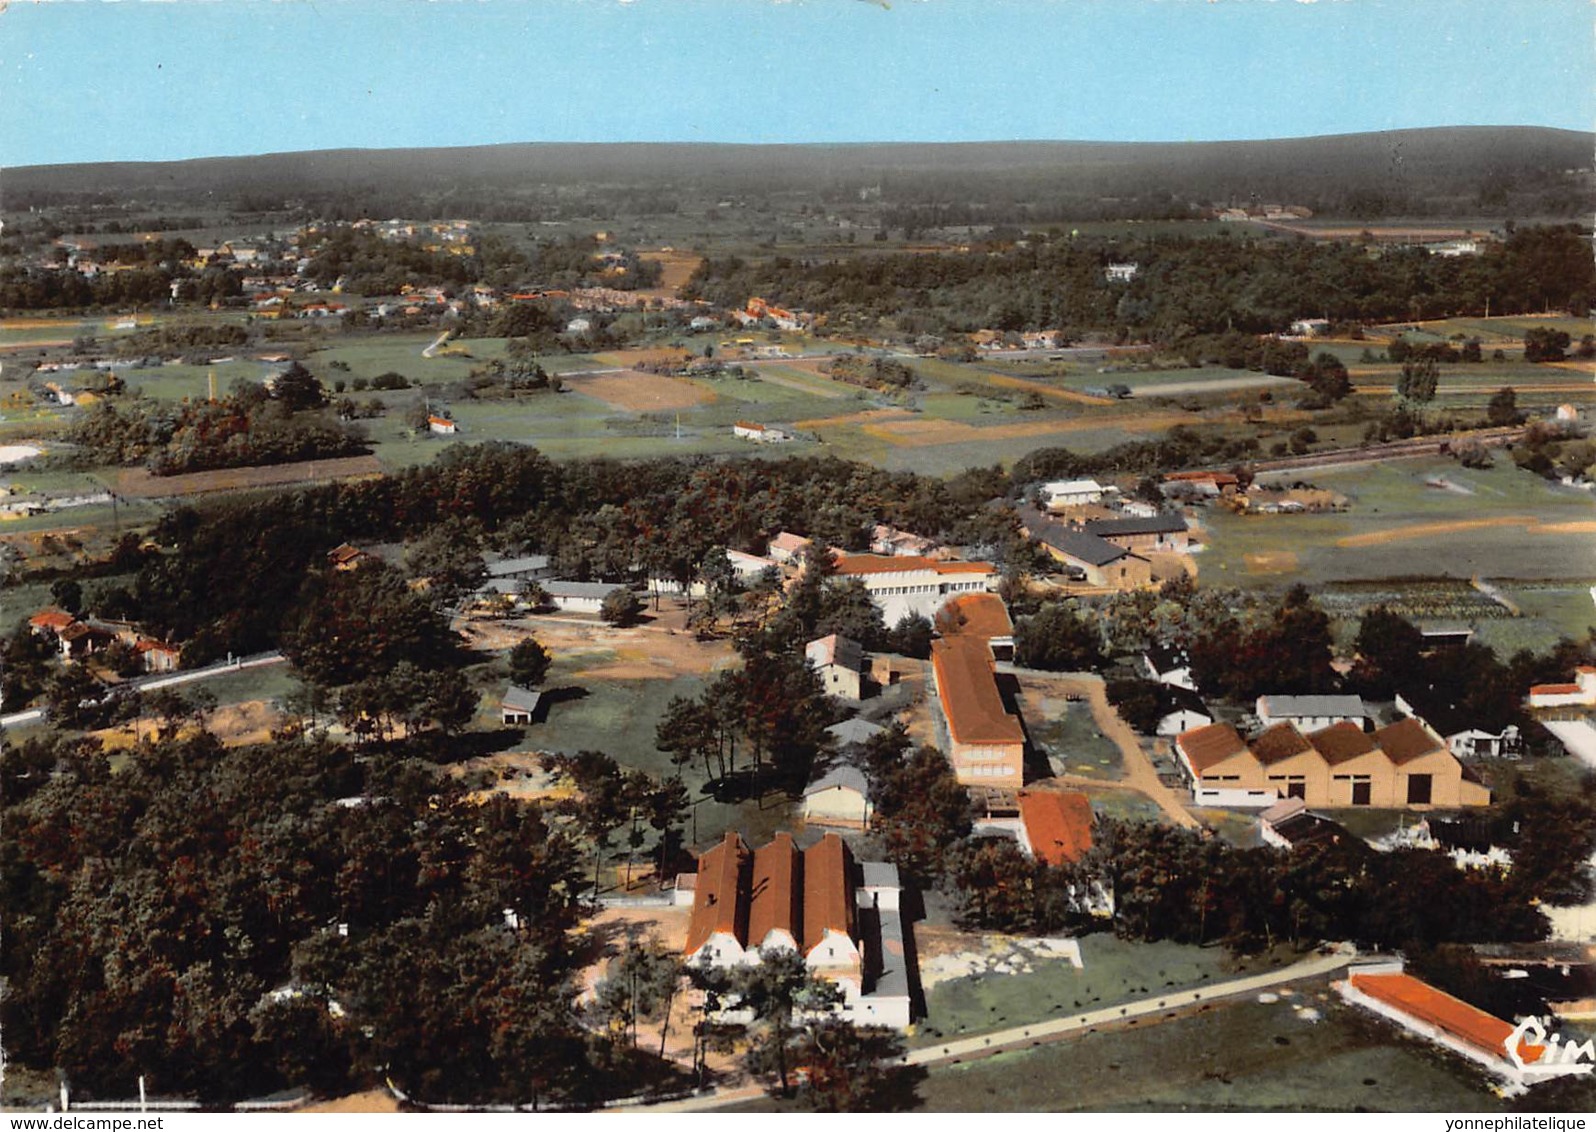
(518, 704)
(839, 797)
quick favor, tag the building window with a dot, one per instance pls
(1419, 789)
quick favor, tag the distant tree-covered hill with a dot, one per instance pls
(1485, 170)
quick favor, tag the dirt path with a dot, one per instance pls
(1139, 773)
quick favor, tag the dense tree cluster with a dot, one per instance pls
(1186, 288)
(228, 921)
(247, 428)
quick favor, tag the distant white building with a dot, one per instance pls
(760, 434)
(1071, 493)
(1311, 713)
(1121, 272)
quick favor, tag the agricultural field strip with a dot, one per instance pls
(1532, 524)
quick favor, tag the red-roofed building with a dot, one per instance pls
(1055, 827)
(1458, 1026)
(983, 616)
(986, 745)
(910, 584)
(1581, 693)
(779, 897)
(50, 622)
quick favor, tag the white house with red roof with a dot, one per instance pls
(903, 585)
(1581, 693)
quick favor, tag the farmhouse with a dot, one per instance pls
(841, 918)
(986, 745)
(901, 585)
(1094, 560)
(443, 426)
(157, 656)
(1404, 765)
(1311, 712)
(839, 662)
(1160, 532)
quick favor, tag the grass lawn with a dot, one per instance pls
(1551, 610)
(269, 682)
(177, 382)
(1114, 971)
(1074, 745)
(1246, 1056)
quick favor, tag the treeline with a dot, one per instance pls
(231, 574)
(304, 918)
(1185, 287)
(249, 427)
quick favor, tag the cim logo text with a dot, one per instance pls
(1564, 1056)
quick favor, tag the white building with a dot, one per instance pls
(1311, 713)
(1071, 493)
(903, 585)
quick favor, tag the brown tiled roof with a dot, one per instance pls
(1483, 1031)
(1555, 690)
(1208, 746)
(775, 902)
(1406, 740)
(1058, 825)
(716, 903)
(828, 890)
(976, 615)
(853, 564)
(969, 694)
(1279, 743)
(1342, 742)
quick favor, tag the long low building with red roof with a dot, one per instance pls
(1055, 826)
(986, 744)
(1517, 1053)
(750, 903)
(908, 584)
(1404, 765)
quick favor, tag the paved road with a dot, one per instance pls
(150, 683)
(1139, 773)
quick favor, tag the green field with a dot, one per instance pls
(1114, 971)
(1244, 1056)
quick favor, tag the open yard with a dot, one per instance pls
(1012, 983)
(1306, 1052)
(1066, 733)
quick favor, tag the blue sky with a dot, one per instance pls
(96, 80)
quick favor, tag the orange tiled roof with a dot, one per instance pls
(851, 564)
(976, 615)
(716, 905)
(55, 619)
(828, 891)
(1279, 743)
(1555, 690)
(1406, 740)
(1058, 825)
(1208, 746)
(774, 899)
(969, 694)
(1485, 1032)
